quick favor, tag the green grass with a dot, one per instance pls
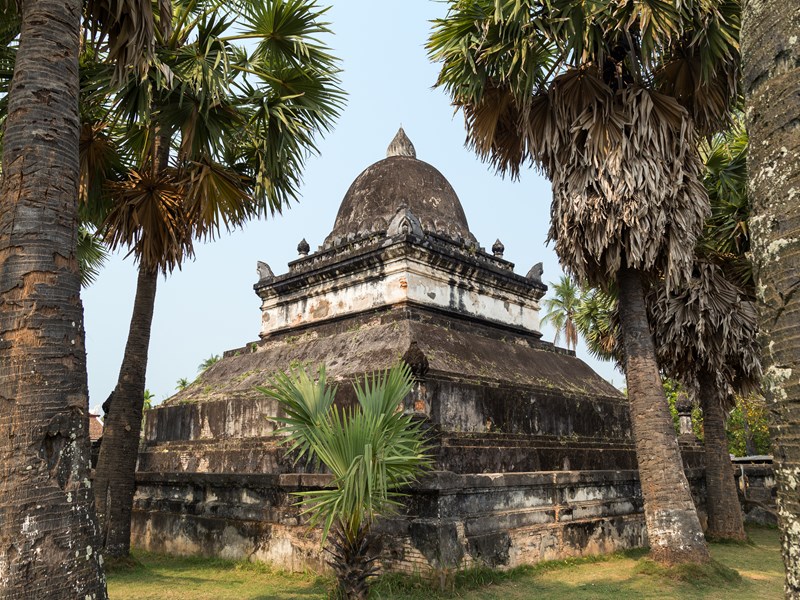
(620, 576)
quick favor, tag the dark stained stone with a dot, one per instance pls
(397, 182)
(416, 360)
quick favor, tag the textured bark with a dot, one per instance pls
(673, 527)
(115, 476)
(771, 69)
(48, 529)
(724, 511)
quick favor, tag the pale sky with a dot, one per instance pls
(209, 306)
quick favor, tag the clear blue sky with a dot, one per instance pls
(209, 306)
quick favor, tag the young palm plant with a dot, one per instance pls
(608, 100)
(371, 450)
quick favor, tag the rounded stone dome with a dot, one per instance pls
(400, 181)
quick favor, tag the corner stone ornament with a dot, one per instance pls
(264, 272)
(405, 222)
(303, 248)
(536, 272)
(498, 249)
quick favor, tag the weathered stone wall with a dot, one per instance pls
(449, 521)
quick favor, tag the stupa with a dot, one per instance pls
(533, 451)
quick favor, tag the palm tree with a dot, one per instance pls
(214, 358)
(46, 510)
(706, 338)
(608, 100)
(371, 451)
(214, 134)
(706, 329)
(771, 73)
(181, 384)
(597, 320)
(561, 310)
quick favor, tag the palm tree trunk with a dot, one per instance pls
(115, 478)
(672, 525)
(771, 69)
(48, 529)
(724, 511)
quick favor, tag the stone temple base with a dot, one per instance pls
(532, 452)
(450, 521)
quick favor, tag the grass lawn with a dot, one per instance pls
(617, 577)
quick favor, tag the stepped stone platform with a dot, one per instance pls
(533, 452)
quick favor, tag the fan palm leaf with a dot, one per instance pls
(148, 216)
(92, 255)
(371, 451)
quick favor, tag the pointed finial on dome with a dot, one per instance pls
(401, 146)
(498, 248)
(303, 248)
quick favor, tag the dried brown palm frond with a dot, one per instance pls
(148, 216)
(708, 324)
(493, 130)
(128, 27)
(626, 185)
(99, 161)
(216, 197)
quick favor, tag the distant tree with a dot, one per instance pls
(214, 358)
(371, 450)
(182, 384)
(597, 321)
(148, 400)
(561, 309)
(748, 426)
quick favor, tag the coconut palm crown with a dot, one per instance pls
(562, 309)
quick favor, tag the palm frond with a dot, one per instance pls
(304, 402)
(148, 216)
(92, 255)
(128, 28)
(710, 324)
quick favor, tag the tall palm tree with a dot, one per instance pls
(608, 100)
(771, 75)
(371, 451)
(561, 310)
(214, 134)
(706, 329)
(46, 510)
(706, 338)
